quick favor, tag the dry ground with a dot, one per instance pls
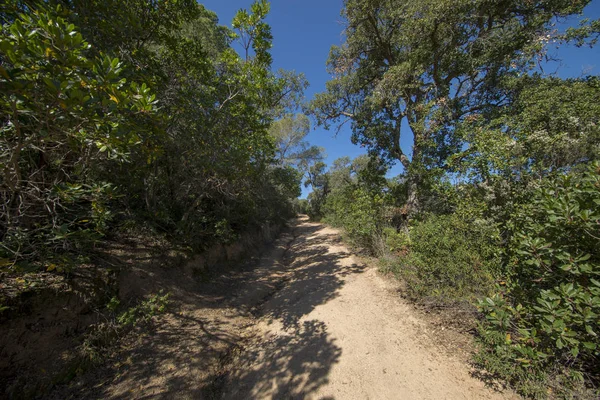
(307, 320)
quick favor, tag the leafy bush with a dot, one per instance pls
(63, 114)
(450, 259)
(173, 132)
(396, 242)
(546, 321)
(144, 311)
(359, 212)
(104, 335)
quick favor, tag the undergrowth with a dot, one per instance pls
(105, 335)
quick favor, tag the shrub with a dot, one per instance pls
(546, 323)
(359, 212)
(104, 335)
(63, 114)
(450, 259)
(396, 242)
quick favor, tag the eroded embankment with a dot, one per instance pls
(187, 351)
(46, 331)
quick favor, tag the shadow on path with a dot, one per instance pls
(209, 347)
(296, 354)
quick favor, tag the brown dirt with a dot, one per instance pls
(306, 320)
(338, 330)
(39, 330)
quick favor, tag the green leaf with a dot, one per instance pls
(575, 351)
(590, 345)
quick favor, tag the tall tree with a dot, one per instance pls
(291, 148)
(318, 179)
(424, 65)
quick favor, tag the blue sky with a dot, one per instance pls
(304, 30)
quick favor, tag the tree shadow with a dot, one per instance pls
(318, 273)
(203, 348)
(289, 366)
(491, 380)
(176, 359)
(298, 354)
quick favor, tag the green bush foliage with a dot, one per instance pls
(359, 212)
(546, 321)
(397, 242)
(141, 109)
(63, 113)
(104, 335)
(451, 259)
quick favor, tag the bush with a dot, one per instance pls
(396, 242)
(63, 115)
(86, 138)
(359, 212)
(450, 259)
(545, 323)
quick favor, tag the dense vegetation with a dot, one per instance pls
(118, 114)
(125, 113)
(499, 201)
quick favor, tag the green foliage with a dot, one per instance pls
(428, 64)
(550, 124)
(301, 206)
(318, 179)
(63, 115)
(587, 33)
(397, 242)
(451, 259)
(349, 186)
(104, 335)
(254, 33)
(137, 107)
(549, 312)
(358, 212)
(144, 311)
(291, 149)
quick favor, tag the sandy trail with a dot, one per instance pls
(335, 330)
(304, 320)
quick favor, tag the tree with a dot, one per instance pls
(551, 124)
(318, 179)
(255, 34)
(130, 29)
(364, 171)
(341, 173)
(64, 115)
(428, 64)
(291, 148)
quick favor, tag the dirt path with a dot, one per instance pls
(305, 320)
(336, 331)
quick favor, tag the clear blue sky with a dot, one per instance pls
(304, 30)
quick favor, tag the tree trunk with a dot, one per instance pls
(412, 200)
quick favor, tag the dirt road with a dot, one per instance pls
(305, 320)
(335, 330)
